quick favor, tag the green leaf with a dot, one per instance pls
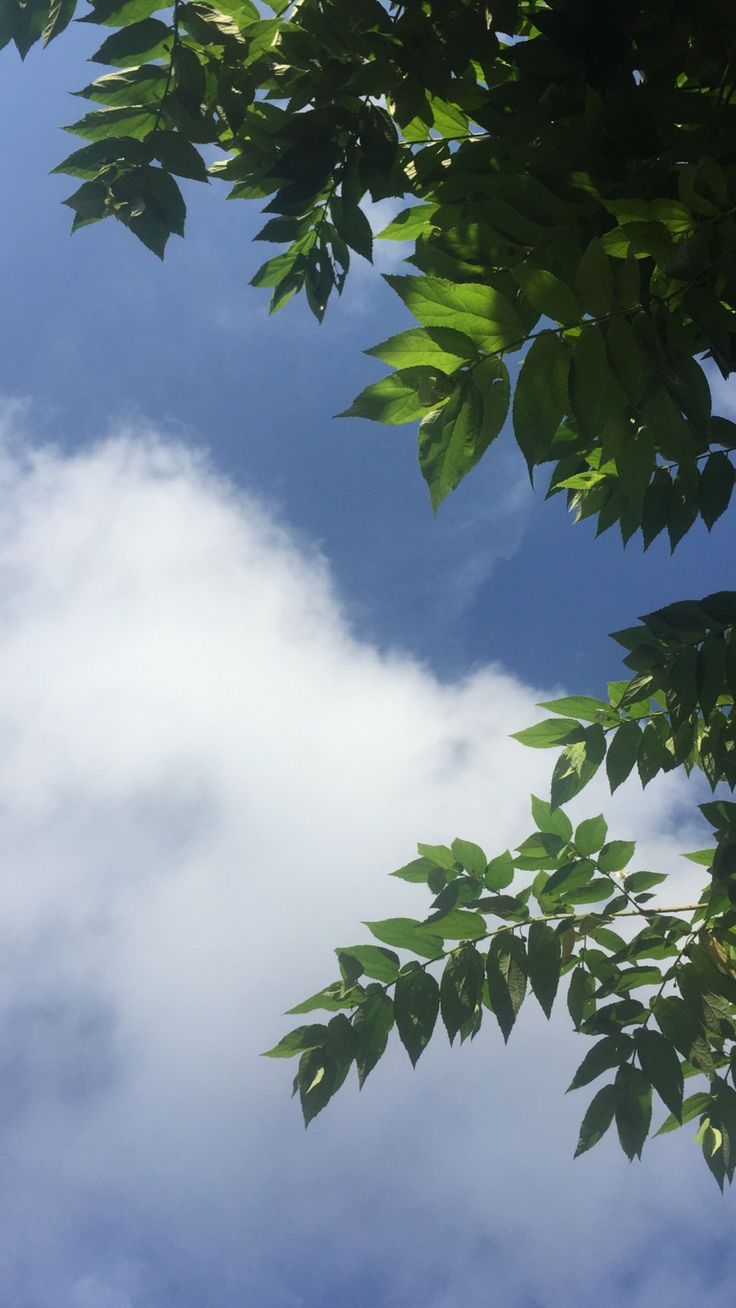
(372, 1024)
(679, 1025)
(177, 155)
(471, 857)
(417, 871)
(103, 123)
(543, 953)
(409, 224)
(633, 1109)
(630, 365)
(500, 872)
(452, 440)
(661, 1067)
(480, 312)
(550, 820)
(540, 399)
(597, 1119)
(616, 855)
(403, 396)
(550, 733)
(595, 393)
(121, 13)
(715, 487)
(580, 996)
(457, 925)
(548, 294)
(316, 1082)
(416, 1005)
(594, 280)
(609, 1052)
(506, 972)
(591, 835)
(353, 226)
(440, 855)
(135, 44)
(622, 753)
(382, 964)
(583, 707)
(88, 161)
(692, 1107)
(711, 673)
(433, 347)
(407, 933)
(638, 881)
(461, 989)
(301, 1038)
(577, 765)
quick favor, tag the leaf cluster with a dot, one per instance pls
(654, 986)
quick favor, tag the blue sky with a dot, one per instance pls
(242, 670)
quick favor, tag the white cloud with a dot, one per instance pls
(204, 775)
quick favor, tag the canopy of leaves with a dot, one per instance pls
(565, 177)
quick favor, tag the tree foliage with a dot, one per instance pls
(565, 176)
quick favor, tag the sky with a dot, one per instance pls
(242, 671)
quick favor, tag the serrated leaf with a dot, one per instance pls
(500, 872)
(298, 1040)
(580, 992)
(461, 989)
(506, 972)
(353, 226)
(433, 347)
(692, 1107)
(407, 933)
(597, 1119)
(548, 294)
(409, 224)
(543, 960)
(471, 857)
(372, 1024)
(457, 924)
(452, 440)
(548, 819)
(583, 707)
(608, 1052)
(591, 835)
(594, 280)
(633, 1109)
(134, 44)
(403, 396)
(616, 855)
(622, 753)
(382, 964)
(478, 311)
(715, 487)
(416, 1005)
(661, 1067)
(549, 734)
(540, 399)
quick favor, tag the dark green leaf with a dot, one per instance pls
(540, 399)
(416, 1005)
(301, 1038)
(692, 1107)
(594, 280)
(633, 1109)
(543, 952)
(661, 1067)
(506, 970)
(548, 294)
(461, 989)
(607, 1053)
(580, 1001)
(382, 964)
(622, 753)
(597, 1119)
(372, 1024)
(715, 487)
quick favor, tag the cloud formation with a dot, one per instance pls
(204, 775)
